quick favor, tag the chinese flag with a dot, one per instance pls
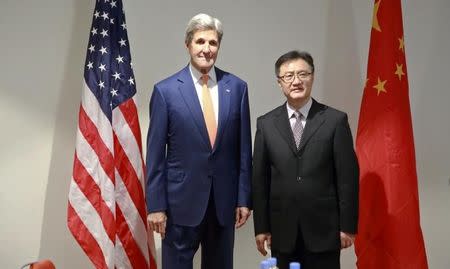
(389, 233)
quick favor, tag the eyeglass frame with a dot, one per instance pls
(302, 75)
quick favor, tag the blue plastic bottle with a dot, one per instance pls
(264, 265)
(294, 265)
(272, 263)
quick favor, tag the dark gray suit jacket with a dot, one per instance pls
(313, 190)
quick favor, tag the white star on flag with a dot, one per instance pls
(103, 50)
(113, 92)
(104, 33)
(122, 42)
(105, 16)
(116, 76)
(102, 67)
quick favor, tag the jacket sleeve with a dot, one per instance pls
(347, 176)
(260, 182)
(244, 192)
(156, 180)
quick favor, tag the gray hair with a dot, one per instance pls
(203, 22)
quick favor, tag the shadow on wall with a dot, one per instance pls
(57, 243)
(342, 79)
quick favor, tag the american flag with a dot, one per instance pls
(106, 211)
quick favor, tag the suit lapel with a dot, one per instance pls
(189, 94)
(313, 122)
(224, 92)
(282, 124)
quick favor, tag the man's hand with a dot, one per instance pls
(260, 239)
(157, 222)
(347, 240)
(242, 214)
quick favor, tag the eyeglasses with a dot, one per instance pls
(289, 77)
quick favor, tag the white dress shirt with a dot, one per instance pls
(304, 110)
(212, 86)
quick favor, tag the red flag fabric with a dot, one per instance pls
(106, 211)
(389, 233)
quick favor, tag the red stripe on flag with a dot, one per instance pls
(130, 113)
(93, 193)
(85, 239)
(92, 136)
(129, 178)
(134, 253)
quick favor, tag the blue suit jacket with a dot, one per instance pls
(182, 168)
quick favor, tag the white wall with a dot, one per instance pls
(42, 50)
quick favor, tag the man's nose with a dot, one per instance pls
(296, 80)
(206, 48)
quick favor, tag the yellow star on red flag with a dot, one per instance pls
(375, 24)
(380, 86)
(399, 71)
(401, 45)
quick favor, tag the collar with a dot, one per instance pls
(304, 110)
(197, 76)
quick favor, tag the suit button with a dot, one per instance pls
(299, 178)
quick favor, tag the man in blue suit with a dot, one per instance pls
(199, 155)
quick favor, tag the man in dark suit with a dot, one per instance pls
(305, 174)
(199, 155)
